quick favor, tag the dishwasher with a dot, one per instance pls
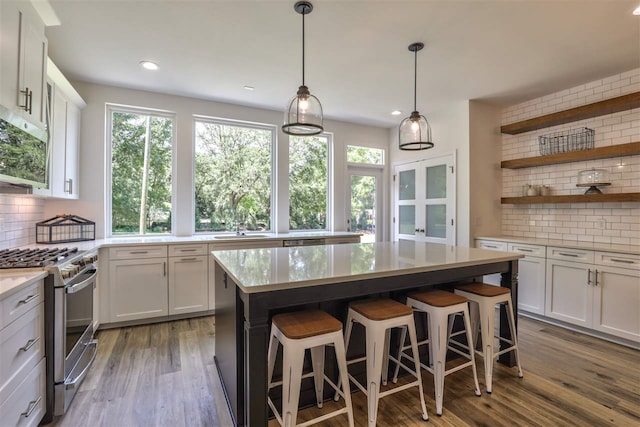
(303, 242)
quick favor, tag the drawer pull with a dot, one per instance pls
(28, 299)
(524, 250)
(626, 261)
(187, 250)
(32, 407)
(29, 344)
(566, 254)
(188, 259)
(490, 246)
(138, 252)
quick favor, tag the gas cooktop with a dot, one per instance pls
(33, 258)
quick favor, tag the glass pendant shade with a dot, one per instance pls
(415, 133)
(303, 115)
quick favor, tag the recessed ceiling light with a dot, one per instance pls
(396, 112)
(148, 65)
(637, 11)
(249, 87)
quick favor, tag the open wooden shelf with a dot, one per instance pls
(572, 198)
(608, 106)
(619, 150)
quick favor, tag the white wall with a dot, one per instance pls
(450, 130)
(591, 222)
(92, 153)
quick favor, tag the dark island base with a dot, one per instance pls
(243, 323)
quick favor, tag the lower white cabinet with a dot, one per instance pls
(531, 284)
(138, 289)
(569, 294)
(188, 286)
(616, 302)
(26, 405)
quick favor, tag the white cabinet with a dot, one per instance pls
(616, 302)
(138, 289)
(491, 245)
(568, 295)
(65, 105)
(188, 285)
(22, 358)
(531, 277)
(23, 61)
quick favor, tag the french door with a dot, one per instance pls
(424, 200)
(364, 203)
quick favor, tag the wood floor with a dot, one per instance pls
(163, 375)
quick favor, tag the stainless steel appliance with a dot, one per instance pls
(69, 345)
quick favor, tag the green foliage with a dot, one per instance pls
(371, 156)
(363, 198)
(232, 177)
(128, 141)
(308, 157)
(21, 154)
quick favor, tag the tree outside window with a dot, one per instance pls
(308, 182)
(232, 176)
(141, 159)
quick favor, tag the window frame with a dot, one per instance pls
(110, 108)
(365, 165)
(237, 123)
(330, 180)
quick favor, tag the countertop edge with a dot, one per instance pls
(30, 277)
(569, 244)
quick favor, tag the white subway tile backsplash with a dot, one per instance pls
(579, 221)
(18, 217)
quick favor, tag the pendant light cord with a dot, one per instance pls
(304, 12)
(415, 79)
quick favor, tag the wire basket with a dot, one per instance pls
(566, 141)
(65, 228)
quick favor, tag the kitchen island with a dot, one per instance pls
(253, 284)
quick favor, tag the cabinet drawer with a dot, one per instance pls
(576, 255)
(529, 250)
(21, 348)
(131, 252)
(341, 240)
(183, 250)
(19, 303)
(491, 245)
(618, 260)
(26, 405)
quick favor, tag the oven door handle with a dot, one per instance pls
(80, 286)
(72, 383)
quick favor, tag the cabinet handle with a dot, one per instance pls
(32, 406)
(589, 277)
(69, 185)
(28, 299)
(138, 252)
(596, 278)
(29, 344)
(187, 250)
(566, 254)
(490, 246)
(626, 261)
(188, 259)
(164, 268)
(30, 102)
(25, 107)
(524, 250)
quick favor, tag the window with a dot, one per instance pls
(308, 182)
(232, 175)
(141, 144)
(365, 155)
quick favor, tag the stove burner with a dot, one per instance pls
(33, 258)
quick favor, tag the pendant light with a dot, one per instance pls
(415, 132)
(303, 116)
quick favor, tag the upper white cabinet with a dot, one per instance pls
(23, 63)
(64, 119)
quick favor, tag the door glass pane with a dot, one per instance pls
(363, 207)
(436, 221)
(407, 220)
(437, 182)
(407, 185)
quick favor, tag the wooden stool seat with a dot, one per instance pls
(484, 290)
(438, 298)
(305, 324)
(380, 309)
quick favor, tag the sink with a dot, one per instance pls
(234, 236)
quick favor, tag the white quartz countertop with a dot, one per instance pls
(259, 270)
(203, 238)
(12, 281)
(570, 244)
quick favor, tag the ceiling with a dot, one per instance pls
(357, 64)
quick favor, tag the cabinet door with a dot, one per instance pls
(188, 285)
(490, 245)
(33, 66)
(569, 296)
(58, 142)
(531, 284)
(616, 304)
(138, 289)
(71, 151)
(10, 18)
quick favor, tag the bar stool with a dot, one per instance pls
(440, 308)
(378, 317)
(484, 299)
(297, 332)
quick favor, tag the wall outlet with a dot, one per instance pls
(601, 224)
